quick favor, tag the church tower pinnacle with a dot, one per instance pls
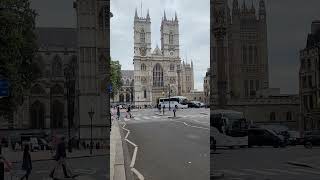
(164, 15)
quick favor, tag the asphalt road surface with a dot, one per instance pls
(170, 148)
(262, 163)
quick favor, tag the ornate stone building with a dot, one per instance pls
(158, 70)
(206, 87)
(239, 65)
(309, 78)
(126, 93)
(74, 64)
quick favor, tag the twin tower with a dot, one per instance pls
(169, 36)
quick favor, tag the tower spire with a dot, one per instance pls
(136, 14)
(176, 17)
(164, 15)
(148, 16)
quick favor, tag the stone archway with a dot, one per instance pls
(121, 98)
(57, 114)
(37, 115)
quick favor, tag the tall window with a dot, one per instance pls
(246, 87)
(171, 67)
(289, 116)
(145, 94)
(257, 85)
(171, 38)
(255, 55)
(272, 116)
(250, 55)
(309, 64)
(143, 67)
(142, 36)
(56, 66)
(157, 76)
(244, 55)
(252, 91)
(310, 81)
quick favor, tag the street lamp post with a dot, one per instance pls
(169, 97)
(91, 113)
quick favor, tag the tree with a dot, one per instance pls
(115, 77)
(18, 47)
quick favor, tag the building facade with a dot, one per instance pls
(126, 92)
(74, 80)
(309, 80)
(206, 87)
(160, 70)
(239, 65)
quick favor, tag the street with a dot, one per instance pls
(262, 163)
(170, 148)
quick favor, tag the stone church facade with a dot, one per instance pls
(74, 64)
(156, 71)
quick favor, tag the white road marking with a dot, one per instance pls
(133, 161)
(260, 172)
(146, 117)
(235, 173)
(308, 171)
(283, 171)
(137, 173)
(137, 118)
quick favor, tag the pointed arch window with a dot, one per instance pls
(157, 75)
(171, 67)
(143, 67)
(171, 37)
(56, 67)
(145, 94)
(142, 36)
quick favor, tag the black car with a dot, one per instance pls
(264, 137)
(312, 138)
(193, 105)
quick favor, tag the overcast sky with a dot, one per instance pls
(289, 23)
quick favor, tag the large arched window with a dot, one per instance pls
(143, 67)
(56, 66)
(171, 37)
(37, 113)
(142, 36)
(157, 76)
(121, 98)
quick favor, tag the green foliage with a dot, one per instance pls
(18, 47)
(115, 77)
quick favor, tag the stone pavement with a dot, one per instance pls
(117, 167)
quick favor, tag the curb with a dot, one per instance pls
(119, 162)
(295, 163)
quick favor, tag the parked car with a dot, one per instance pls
(44, 145)
(192, 104)
(312, 138)
(264, 137)
(202, 105)
(294, 138)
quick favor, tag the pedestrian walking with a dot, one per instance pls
(174, 111)
(60, 158)
(163, 109)
(118, 112)
(26, 163)
(129, 111)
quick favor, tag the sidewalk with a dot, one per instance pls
(16, 156)
(117, 167)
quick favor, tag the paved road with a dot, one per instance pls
(171, 148)
(263, 163)
(90, 168)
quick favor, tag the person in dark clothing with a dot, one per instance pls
(26, 163)
(129, 111)
(60, 157)
(118, 112)
(163, 108)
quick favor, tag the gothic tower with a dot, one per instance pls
(170, 36)
(93, 59)
(142, 35)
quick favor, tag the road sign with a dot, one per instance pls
(110, 88)
(4, 88)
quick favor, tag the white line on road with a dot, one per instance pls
(260, 172)
(283, 171)
(137, 173)
(235, 173)
(137, 118)
(308, 171)
(134, 156)
(191, 125)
